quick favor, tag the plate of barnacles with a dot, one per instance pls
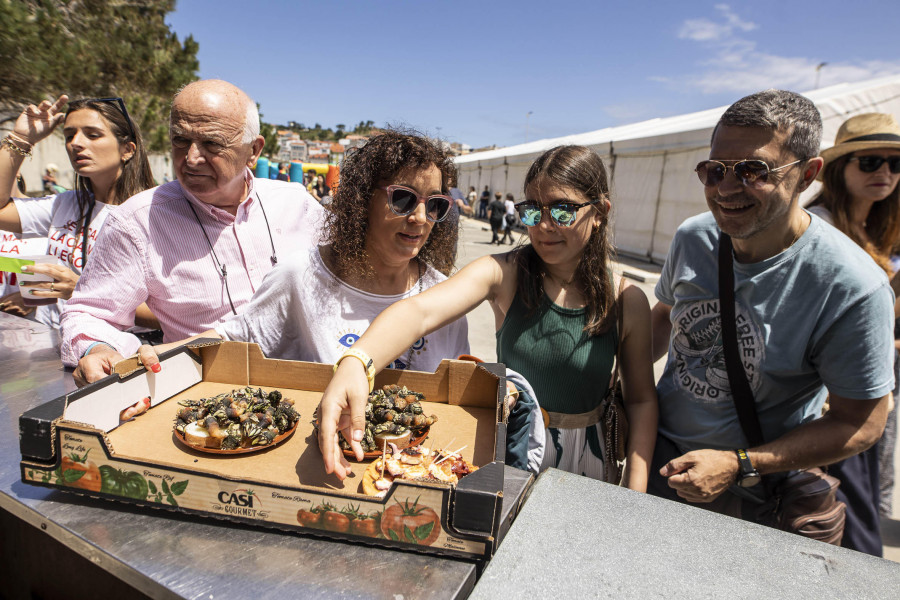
(394, 415)
(240, 421)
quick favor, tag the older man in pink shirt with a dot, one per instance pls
(195, 249)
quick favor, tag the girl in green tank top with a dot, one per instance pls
(555, 309)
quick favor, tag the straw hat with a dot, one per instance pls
(862, 132)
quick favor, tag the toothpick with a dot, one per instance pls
(450, 454)
(383, 459)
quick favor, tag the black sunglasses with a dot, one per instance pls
(752, 173)
(870, 164)
(120, 104)
(562, 213)
(403, 201)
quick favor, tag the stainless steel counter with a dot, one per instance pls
(172, 556)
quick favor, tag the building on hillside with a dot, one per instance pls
(337, 153)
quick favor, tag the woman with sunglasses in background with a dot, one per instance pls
(106, 151)
(860, 196)
(555, 309)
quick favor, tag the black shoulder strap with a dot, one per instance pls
(737, 378)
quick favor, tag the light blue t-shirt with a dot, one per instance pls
(820, 313)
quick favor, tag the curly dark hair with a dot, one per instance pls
(374, 165)
(882, 224)
(581, 169)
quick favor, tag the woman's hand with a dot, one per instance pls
(37, 122)
(14, 305)
(342, 411)
(62, 286)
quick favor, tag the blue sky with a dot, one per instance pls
(471, 71)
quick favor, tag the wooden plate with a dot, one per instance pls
(278, 439)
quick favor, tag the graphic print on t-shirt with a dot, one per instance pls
(349, 337)
(699, 359)
(65, 243)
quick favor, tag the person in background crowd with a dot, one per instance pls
(51, 185)
(472, 197)
(497, 211)
(483, 203)
(860, 197)
(110, 163)
(509, 219)
(196, 249)
(813, 313)
(556, 312)
(461, 207)
(283, 172)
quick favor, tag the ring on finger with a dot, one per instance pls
(51, 287)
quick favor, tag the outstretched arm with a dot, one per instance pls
(343, 403)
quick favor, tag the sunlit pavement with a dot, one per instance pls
(474, 242)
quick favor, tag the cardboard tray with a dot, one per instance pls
(139, 462)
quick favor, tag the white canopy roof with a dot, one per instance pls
(651, 163)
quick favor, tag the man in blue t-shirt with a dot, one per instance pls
(813, 314)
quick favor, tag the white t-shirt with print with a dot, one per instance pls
(56, 220)
(12, 244)
(303, 312)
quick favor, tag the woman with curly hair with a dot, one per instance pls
(386, 238)
(555, 309)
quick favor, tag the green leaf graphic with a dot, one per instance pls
(152, 486)
(179, 487)
(72, 475)
(423, 531)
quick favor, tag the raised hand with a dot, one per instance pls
(37, 122)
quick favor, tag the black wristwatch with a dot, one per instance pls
(748, 476)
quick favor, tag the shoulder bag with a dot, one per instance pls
(612, 410)
(804, 502)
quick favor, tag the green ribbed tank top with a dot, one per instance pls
(568, 370)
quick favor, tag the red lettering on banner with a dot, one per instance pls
(12, 248)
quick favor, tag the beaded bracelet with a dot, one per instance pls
(14, 146)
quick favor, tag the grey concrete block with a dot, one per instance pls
(581, 538)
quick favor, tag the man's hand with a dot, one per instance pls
(701, 475)
(96, 365)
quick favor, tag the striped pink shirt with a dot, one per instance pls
(152, 250)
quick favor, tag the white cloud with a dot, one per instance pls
(737, 66)
(705, 30)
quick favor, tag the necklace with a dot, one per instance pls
(220, 266)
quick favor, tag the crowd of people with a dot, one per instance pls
(365, 280)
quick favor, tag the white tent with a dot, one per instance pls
(652, 163)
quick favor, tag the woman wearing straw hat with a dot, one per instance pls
(860, 196)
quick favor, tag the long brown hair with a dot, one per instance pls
(347, 217)
(581, 169)
(136, 175)
(882, 224)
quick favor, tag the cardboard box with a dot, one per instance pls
(141, 462)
